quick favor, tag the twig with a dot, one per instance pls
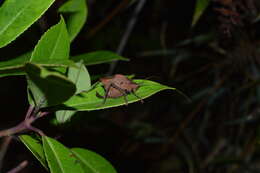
(3, 149)
(249, 148)
(215, 151)
(29, 112)
(30, 117)
(21, 166)
(173, 139)
(115, 11)
(129, 29)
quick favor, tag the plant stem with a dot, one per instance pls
(30, 117)
(19, 167)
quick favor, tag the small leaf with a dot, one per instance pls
(16, 16)
(35, 146)
(81, 79)
(59, 158)
(87, 101)
(63, 116)
(92, 162)
(200, 7)
(53, 45)
(77, 16)
(98, 57)
(80, 76)
(48, 88)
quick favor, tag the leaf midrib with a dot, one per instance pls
(13, 19)
(56, 43)
(86, 163)
(56, 156)
(108, 106)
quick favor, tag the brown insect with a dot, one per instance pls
(118, 86)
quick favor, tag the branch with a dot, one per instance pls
(32, 115)
(128, 31)
(3, 148)
(21, 166)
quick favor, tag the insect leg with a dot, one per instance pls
(106, 95)
(126, 101)
(137, 96)
(122, 91)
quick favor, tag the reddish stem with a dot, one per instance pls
(30, 117)
(21, 166)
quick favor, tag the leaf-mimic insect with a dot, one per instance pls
(118, 86)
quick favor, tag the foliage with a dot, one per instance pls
(58, 82)
(208, 48)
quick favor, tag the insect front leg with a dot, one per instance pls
(106, 94)
(104, 97)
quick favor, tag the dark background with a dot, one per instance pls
(215, 63)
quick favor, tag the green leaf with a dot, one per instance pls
(52, 50)
(19, 69)
(16, 16)
(92, 162)
(80, 76)
(53, 45)
(15, 66)
(87, 101)
(35, 146)
(77, 16)
(59, 158)
(57, 63)
(15, 62)
(11, 72)
(64, 116)
(81, 79)
(200, 7)
(48, 88)
(98, 57)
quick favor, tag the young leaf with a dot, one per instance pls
(98, 57)
(80, 76)
(77, 16)
(48, 88)
(92, 162)
(200, 7)
(87, 101)
(81, 79)
(35, 146)
(53, 46)
(63, 116)
(59, 158)
(16, 16)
